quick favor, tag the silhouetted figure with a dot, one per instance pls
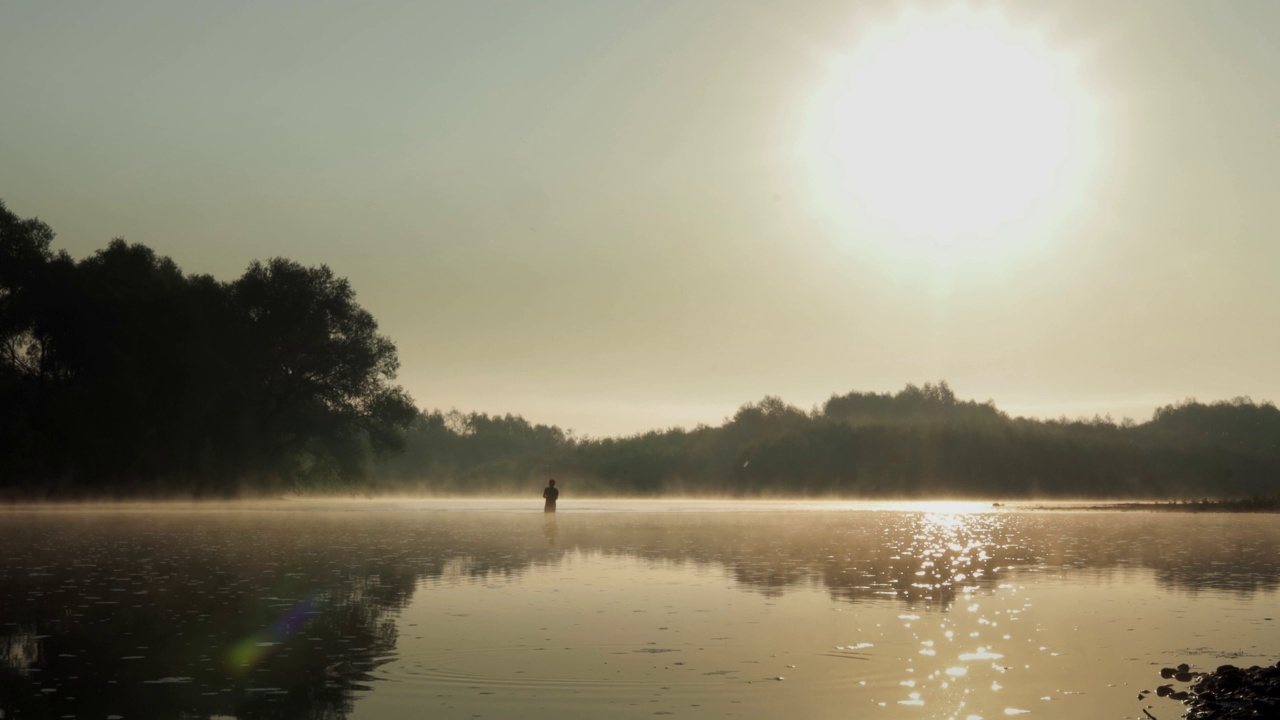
(550, 494)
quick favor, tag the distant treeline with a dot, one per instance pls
(120, 375)
(919, 441)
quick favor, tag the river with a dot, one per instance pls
(621, 609)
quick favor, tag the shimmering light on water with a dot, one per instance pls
(940, 509)
(390, 611)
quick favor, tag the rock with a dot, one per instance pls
(1228, 693)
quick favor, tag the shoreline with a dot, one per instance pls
(1256, 505)
(1246, 505)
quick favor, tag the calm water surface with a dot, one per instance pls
(613, 609)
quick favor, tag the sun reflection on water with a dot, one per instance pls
(942, 507)
(952, 667)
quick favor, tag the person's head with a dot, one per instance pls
(552, 483)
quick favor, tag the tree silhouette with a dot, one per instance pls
(119, 373)
(318, 373)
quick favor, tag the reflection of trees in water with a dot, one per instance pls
(195, 616)
(855, 556)
(289, 614)
(928, 558)
(1187, 552)
(19, 649)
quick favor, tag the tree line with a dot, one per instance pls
(121, 375)
(918, 441)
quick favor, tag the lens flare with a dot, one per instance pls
(251, 651)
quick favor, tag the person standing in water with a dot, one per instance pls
(550, 494)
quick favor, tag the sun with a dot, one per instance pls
(950, 128)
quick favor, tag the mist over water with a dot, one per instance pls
(406, 608)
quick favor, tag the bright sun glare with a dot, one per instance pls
(950, 127)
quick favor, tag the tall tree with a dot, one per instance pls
(318, 373)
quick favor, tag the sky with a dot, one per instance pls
(630, 215)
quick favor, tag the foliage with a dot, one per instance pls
(920, 441)
(119, 373)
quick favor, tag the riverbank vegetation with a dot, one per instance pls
(120, 375)
(1254, 504)
(919, 441)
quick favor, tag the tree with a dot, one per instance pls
(317, 373)
(120, 374)
(31, 369)
(24, 257)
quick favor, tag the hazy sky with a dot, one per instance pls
(615, 216)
